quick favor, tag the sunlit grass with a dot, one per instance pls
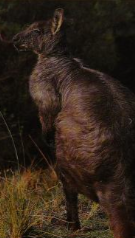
(32, 205)
(22, 198)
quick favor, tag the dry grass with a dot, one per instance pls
(32, 205)
(22, 197)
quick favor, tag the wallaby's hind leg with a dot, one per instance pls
(72, 209)
(120, 224)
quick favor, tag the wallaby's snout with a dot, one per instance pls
(16, 39)
(18, 42)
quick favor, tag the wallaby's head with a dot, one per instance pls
(42, 37)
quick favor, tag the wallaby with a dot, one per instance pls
(92, 119)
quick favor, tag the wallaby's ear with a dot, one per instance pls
(57, 21)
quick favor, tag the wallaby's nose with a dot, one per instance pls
(16, 39)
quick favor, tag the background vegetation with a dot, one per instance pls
(101, 32)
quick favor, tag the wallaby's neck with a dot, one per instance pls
(57, 66)
(56, 47)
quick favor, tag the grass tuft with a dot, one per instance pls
(32, 206)
(21, 203)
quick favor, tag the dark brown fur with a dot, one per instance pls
(92, 117)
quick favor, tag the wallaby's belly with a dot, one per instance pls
(84, 155)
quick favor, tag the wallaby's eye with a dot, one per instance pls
(37, 31)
